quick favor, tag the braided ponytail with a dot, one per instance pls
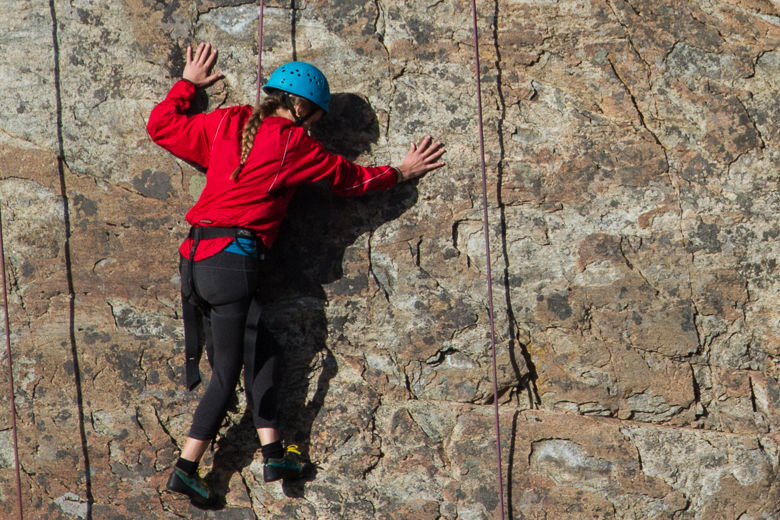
(268, 107)
(275, 100)
(248, 138)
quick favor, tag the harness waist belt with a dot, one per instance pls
(207, 233)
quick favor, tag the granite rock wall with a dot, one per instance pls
(632, 151)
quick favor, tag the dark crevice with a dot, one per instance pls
(697, 396)
(512, 451)
(61, 165)
(761, 142)
(639, 112)
(526, 381)
(380, 36)
(628, 36)
(753, 395)
(416, 252)
(631, 266)
(371, 271)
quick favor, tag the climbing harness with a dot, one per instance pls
(10, 372)
(194, 307)
(489, 273)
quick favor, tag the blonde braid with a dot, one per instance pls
(265, 109)
(247, 139)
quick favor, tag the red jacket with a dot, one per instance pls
(283, 157)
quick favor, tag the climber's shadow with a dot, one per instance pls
(308, 254)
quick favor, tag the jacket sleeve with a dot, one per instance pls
(311, 162)
(188, 137)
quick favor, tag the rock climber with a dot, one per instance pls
(254, 158)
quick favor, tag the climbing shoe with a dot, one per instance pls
(290, 466)
(193, 486)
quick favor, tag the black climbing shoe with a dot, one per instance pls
(194, 487)
(290, 466)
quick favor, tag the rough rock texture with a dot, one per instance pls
(633, 150)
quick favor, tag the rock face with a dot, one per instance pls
(632, 149)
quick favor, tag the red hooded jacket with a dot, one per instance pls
(283, 157)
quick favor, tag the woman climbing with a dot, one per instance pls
(254, 160)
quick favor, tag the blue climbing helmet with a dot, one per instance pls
(301, 79)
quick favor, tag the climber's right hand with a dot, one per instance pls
(197, 69)
(421, 158)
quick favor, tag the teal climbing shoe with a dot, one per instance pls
(193, 486)
(290, 466)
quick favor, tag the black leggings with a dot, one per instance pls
(228, 283)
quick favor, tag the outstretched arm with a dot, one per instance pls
(197, 69)
(421, 158)
(171, 126)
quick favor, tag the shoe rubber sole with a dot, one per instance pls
(273, 472)
(179, 482)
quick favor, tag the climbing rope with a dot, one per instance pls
(10, 372)
(259, 54)
(489, 272)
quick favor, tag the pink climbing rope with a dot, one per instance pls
(10, 373)
(489, 272)
(260, 54)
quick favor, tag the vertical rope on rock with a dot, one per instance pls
(489, 272)
(260, 53)
(10, 373)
